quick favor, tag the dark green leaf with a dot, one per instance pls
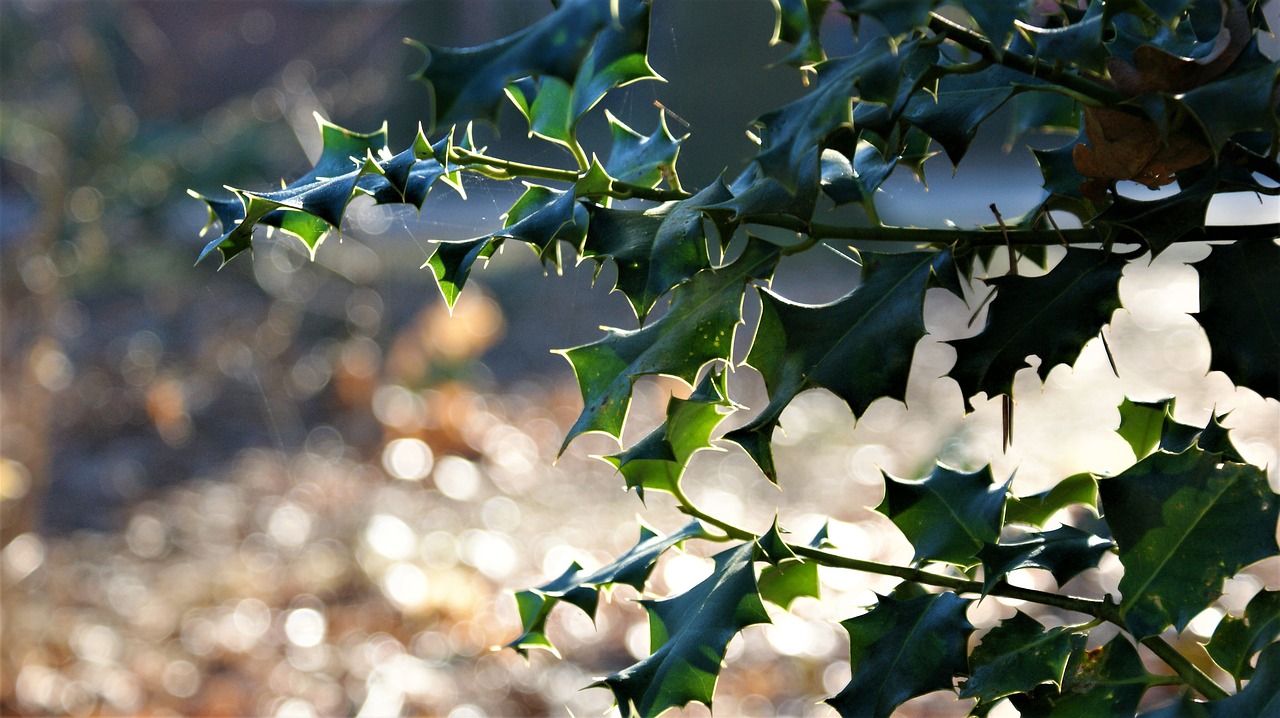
(1079, 43)
(1261, 695)
(844, 181)
(1064, 552)
(452, 261)
(1018, 655)
(658, 461)
(903, 649)
(799, 23)
(1240, 312)
(579, 587)
(859, 347)
(1184, 523)
(654, 249)
(960, 104)
(1142, 424)
(1052, 316)
(1106, 681)
(947, 516)
(470, 82)
(698, 329)
(788, 577)
(691, 632)
(642, 160)
(995, 18)
(792, 136)
(1239, 101)
(1237, 640)
(1079, 489)
(897, 16)
(1161, 222)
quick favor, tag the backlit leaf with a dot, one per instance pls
(1184, 523)
(1237, 640)
(903, 649)
(1064, 552)
(1018, 655)
(947, 516)
(1240, 312)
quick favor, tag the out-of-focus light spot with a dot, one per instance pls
(391, 537)
(98, 644)
(1206, 621)
(399, 408)
(257, 27)
(23, 555)
(52, 368)
(289, 525)
(146, 536)
(180, 679)
(85, 204)
(406, 585)
(295, 708)
(120, 689)
(683, 572)
(467, 710)
(15, 480)
(457, 478)
(199, 636)
(305, 627)
(252, 617)
(836, 677)
(500, 514)
(490, 552)
(408, 458)
(638, 640)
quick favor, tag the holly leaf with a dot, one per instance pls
(1079, 43)
(897, 16)
(1261, 696)
(1018, 655)
(696, 330)
(471, 82)
(947, 516)
(995, 18)
(1161, 222)
(689, 634)
(1237, 640)
(654, 249)
(1142, 424)
(1051, 316)
(1239, 101)
(902, 649)
(1240, 313)
(1104, 681)
(844, 181)
(581, 588)
(1064, 552)
(1078, 489)
(658, 461)
(859, 347)
(960, 103)
(788, 577)
(791, 136)
(554, 105)
(1183, 524)
(641, 160)
(798, 23)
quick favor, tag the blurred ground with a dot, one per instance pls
(293, 488)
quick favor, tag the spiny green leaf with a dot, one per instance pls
(1064, 552)
(903, 649)
(641, 160)
(1078, 489)
(1260, 697)
(859, 347)
(799, 23)
(697, 626)
(1236, 640)
(1052, 316)
(1240, 312)
(469, 83)
(947, 516)
(1106, 681)
(580, 587)
(554, 105)
(792, 136)
(1018, 655)
(897, 16)
(787, 577)
(1045, 112)
(960, 103)
(996, 17)
(1184, 523)
(452, 261)
(1161, 222)
(844, 181)
(1079, 43)
(654, 249)
(697, 329)
(1142, 424)
(658, 461)
(1239, 101)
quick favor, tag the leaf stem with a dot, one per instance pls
(1081, 88)
(1101, 609)
(1187, 670)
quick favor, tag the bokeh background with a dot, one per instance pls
(297, 488)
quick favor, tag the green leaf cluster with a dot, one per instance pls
(1172, 94)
